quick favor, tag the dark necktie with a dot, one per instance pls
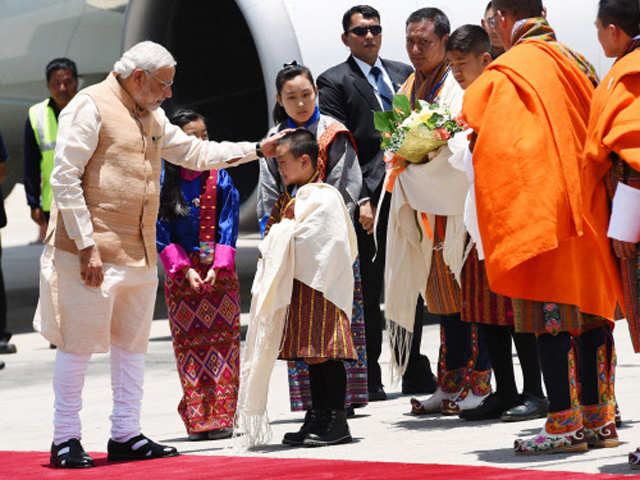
(385, 93)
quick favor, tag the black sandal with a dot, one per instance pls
(138, 448)
(70, 454)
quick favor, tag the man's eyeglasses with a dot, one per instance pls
(164, 83)
(362, 31)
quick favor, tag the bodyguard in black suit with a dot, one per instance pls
(349, 92)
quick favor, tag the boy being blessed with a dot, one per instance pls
(302, 299)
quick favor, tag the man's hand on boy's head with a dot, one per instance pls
(269, 144)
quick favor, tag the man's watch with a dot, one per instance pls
(259, 150)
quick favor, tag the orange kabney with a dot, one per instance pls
(545, 243)
(612, 155)
(543, 239)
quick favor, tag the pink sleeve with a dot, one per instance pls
(174, 259)
(225, 257)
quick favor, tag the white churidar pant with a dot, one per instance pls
(127, 379)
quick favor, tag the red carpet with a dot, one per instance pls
(35, 466)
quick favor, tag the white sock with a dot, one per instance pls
(68, 380)
(127, 378)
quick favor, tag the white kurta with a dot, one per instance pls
(78, 133)
(81, 319)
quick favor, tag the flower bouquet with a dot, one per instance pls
(412, 135)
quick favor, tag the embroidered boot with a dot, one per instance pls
(598, 387)
(562, 433)
(459, 405)
(477, 387)
(600, 426)
(433, 404)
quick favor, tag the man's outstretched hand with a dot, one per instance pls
(268, 145)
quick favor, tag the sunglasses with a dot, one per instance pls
(362, 31)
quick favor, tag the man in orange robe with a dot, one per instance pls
(543, 246)
(612, 149)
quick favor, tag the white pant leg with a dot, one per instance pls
(68, 380)
(127, 378)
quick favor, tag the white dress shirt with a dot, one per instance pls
(78, 133)
(366, 70)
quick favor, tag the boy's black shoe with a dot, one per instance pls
(336, 431)
(138, 448)
(377, 395)
(70, 454)
(311, 420)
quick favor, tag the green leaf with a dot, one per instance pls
(384, 122)
(402, 105)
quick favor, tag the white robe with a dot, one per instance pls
(434, 188)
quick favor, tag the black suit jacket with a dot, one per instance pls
(347, 96)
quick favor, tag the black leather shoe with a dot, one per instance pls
(70, 454)
(530, 407)
(377, 395)
(138, 448)
(419, 379)
(1, 364)
(311, 419)
(491, 407)
(198, 436)
(334, 431)
(7, 348)
(409, 388)
(218, 434)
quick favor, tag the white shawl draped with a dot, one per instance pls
(434, 188)
(317, 248)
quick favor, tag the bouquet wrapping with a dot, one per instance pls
(413, 134)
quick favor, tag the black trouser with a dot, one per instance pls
(372, 272)
(554, 360)
(498, 342)
(418, 371)
(4, 335)
(328, 383)
(588, 345)
(554, 353)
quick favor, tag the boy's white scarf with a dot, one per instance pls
(317, 248)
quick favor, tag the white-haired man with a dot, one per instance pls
(98, 270)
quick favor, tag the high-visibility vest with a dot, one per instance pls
(45, 129)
